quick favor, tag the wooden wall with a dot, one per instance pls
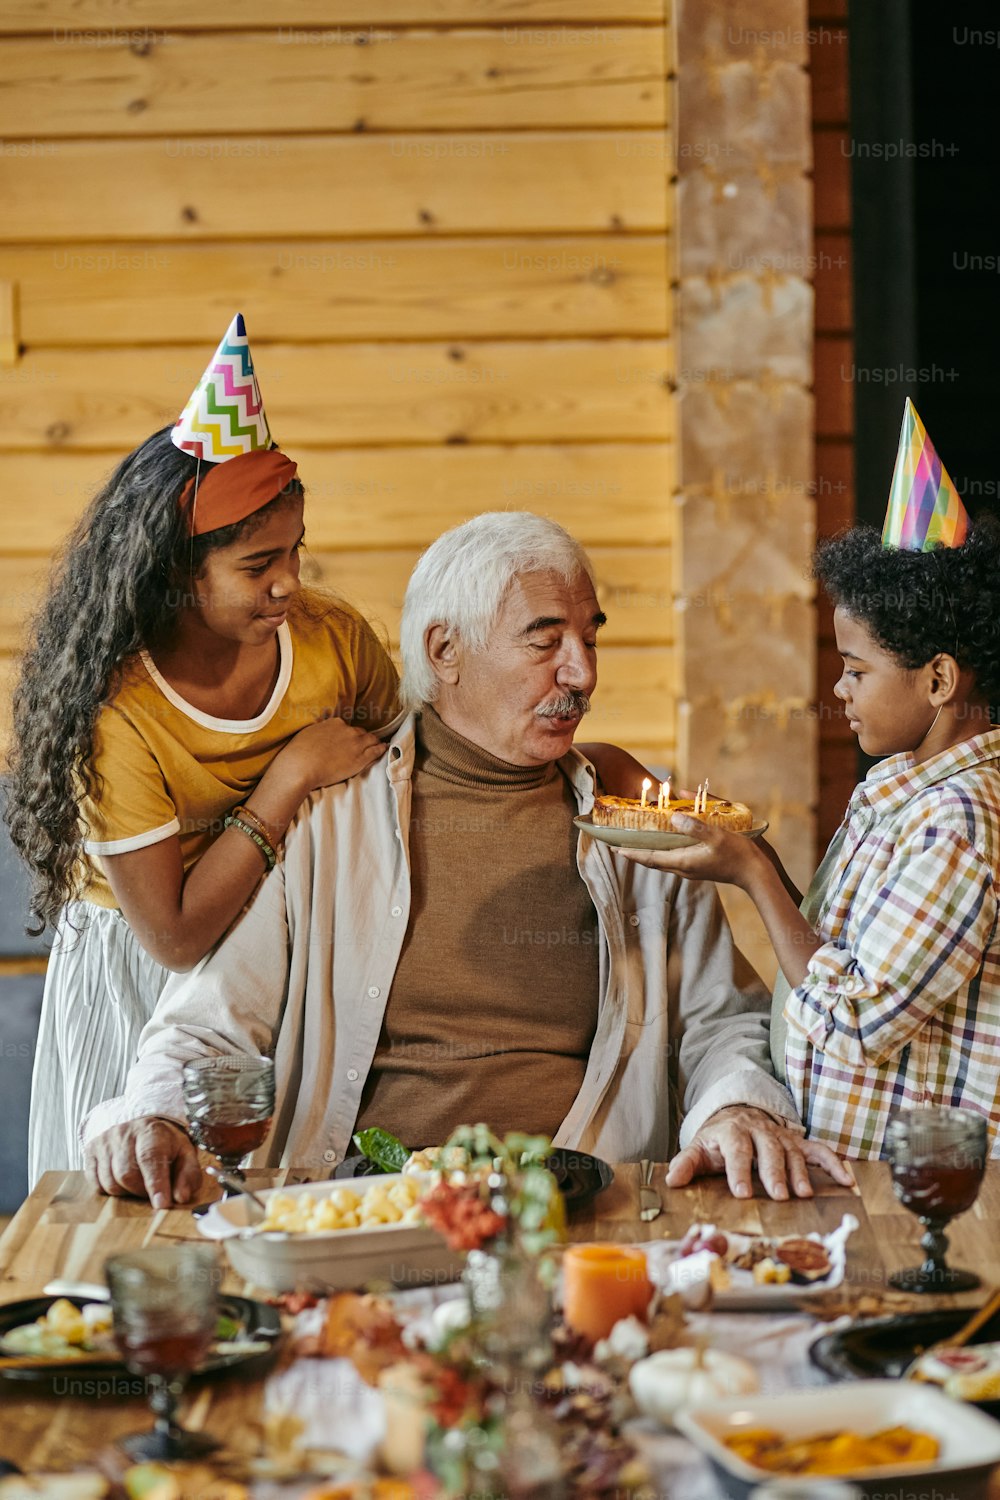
(834, 484)
(450, 233)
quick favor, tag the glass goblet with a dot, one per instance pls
(165, 1306)
(938, 1158)
(229, 1103)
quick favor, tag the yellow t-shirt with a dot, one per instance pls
(168, 768)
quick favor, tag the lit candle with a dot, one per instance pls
(602, 1284)
(659, 799)
(667, 794)
(646, 784)
(704, 797)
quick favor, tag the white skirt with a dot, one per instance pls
(101, 987)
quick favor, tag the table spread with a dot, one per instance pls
(65, 1229)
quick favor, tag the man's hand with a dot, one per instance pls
(146, 1158)
(734, 1138)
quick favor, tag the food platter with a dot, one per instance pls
(580, 1177)
(673, 1269)
(401, 1255)
(259, 1328)
(969, 1441)
(649, 838)
(885, 1347)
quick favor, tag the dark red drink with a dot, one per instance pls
(938, 1157)
(171, 1353)
(935, 1191)
(232, 1140)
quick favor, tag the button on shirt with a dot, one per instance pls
(901, 1003)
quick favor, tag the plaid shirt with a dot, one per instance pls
(901, 1004)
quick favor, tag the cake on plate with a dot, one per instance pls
(628, 812)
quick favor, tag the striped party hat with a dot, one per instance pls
(225, 416)
(925, 509)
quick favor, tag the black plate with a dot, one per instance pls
(882, 1348)
(256, 1321)
(580, 1177)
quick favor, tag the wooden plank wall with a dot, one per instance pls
(834, 482)
(449, 226)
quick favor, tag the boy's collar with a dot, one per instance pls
(897, 778)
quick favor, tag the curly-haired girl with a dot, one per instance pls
(180, 697)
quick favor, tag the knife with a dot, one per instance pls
(650, 1206)
(93, 1291)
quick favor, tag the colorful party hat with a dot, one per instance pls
(225, 416)
(925, 509)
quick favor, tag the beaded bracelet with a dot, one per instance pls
(249, 816)
(251, 833)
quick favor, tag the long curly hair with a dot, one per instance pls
(117, 586)
(916, 604)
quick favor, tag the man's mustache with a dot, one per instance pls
(570, 704)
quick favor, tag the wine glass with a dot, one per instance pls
(165, 1306)
(229, 1102)
(938, 1158)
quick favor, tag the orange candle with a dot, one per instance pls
(602, 1283)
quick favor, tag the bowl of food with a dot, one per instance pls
(878, 1435)
(334, 1236)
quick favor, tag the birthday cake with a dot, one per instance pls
(627, 812)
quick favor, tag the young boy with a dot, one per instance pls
(892, 966)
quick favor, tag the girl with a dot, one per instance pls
(179, 699)
(891, 993)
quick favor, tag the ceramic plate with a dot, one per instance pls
(885, 1347)
(648, 838)
(257, 1323)
(969, 1440)
(676, 1273)
(332, 1260)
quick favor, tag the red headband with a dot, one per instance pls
(231, 491)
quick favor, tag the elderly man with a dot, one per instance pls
(440, 945)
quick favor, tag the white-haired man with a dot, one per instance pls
(439, 945)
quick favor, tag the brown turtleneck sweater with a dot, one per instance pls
(494, 1003)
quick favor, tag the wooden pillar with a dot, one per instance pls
(745, 523)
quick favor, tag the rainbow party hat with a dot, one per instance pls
(225, 416)
(925, 509)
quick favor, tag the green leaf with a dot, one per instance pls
(385, 1150)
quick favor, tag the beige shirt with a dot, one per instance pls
(306, 971)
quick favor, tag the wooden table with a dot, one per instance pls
(65, 1229)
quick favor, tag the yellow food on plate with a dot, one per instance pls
(390, 1202)
(768, 1272)
(66, 1320)
(628, 812)
(983, 1385)
(832, 1453)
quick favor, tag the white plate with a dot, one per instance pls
(676, 1273)
(332, 1260)
(969, 1440)
(648, 838)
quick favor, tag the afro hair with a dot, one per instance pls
(917, 604)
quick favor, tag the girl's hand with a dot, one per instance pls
(719, 855)
(329, 751)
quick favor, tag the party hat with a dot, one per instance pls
(225, 416)
(925, 509)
